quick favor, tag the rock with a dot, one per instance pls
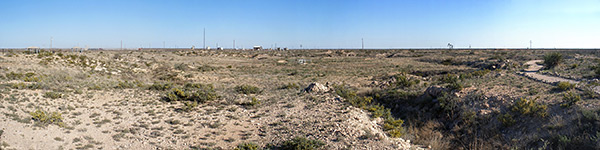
(435, 91)
(316, 88)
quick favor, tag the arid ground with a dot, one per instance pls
(300, 99)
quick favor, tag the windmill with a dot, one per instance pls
(450, 46)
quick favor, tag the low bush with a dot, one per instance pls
(32, 86)
(506, 119)
(44, 54)
(290, 86)
(570, 99)
(127, 84)
(53, 95)
(564, 86)
(247, 146)
(189, 105)
(351, 97)
(379, 111)
(530, 107)
(453, 82)
(13, 76)
(205, 68)
(477, 73)
(393, 127)
(253, 102)
(192, 92)
(301, 143)
(247, 89)
(27, 77)
(160, 86)
(552, 60)
(181, 66)
(43, 118)
(403, 81)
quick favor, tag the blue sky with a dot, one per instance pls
(311, 23)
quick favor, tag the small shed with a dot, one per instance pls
(77, 49)
(35, 49)
(257, 48)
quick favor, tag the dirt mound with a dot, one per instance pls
(316, 88)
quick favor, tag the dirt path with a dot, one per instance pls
(533, 68)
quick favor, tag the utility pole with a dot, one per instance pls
(530, 44)
(121, 44)
(234, 44)
(363, 43)
(51, 38)
(204, 39)
(164, 46)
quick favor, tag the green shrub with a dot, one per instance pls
(403, 81)
(552, 60)
(44, 54)
(247, 89)
(53, 95)
(205, 68)
(253, 102)
(573, 66)
(476, 73)
(290, 86)
(160, 87)
(453, 82)
(127, 85)
(570, 99)
(189, 105)
(455, 86)
(379, 111)
(506, 119)
(192, 92)
(448, 61)
(44, 118)
(351, 97)
(344, 91)
(247, 146)
(13, 76)
(301, 143)
(530, 107)
(393, 127)
(181, 66)
(565, 86)
(27, 77)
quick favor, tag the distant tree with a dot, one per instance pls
(552, 60)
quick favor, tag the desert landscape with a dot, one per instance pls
(300, 99)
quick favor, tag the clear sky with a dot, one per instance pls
(291, 23)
